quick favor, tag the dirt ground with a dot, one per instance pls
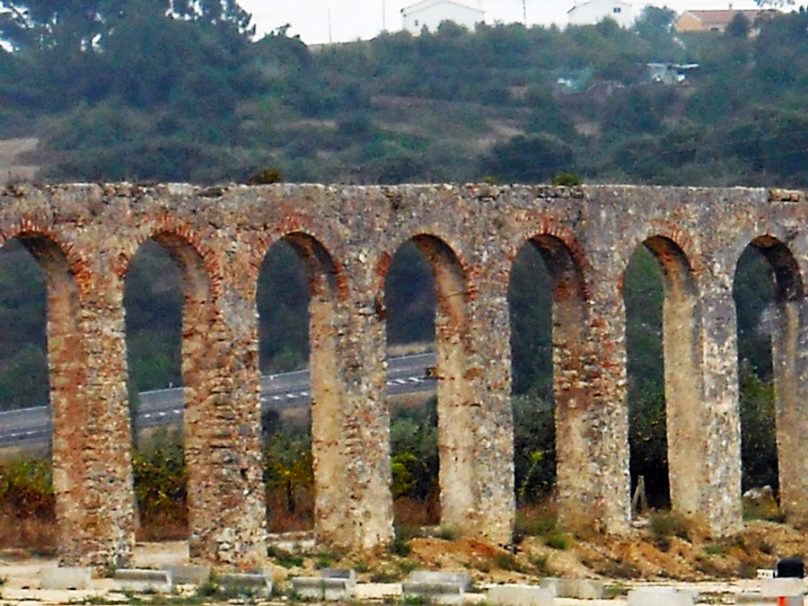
(659, 554)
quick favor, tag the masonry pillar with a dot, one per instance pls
(327, 399)
(592, 457)
(484, 432)
(718, 478)
(91, 442)
(790, 366)
(226, 504)
(366, 505)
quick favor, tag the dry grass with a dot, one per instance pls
(34, 534)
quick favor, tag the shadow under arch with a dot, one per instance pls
(681, 353)
(67, 379)
(325, 282)
(568, 343)
(198, 372)
(783, 318)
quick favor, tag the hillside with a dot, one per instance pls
(504, 102)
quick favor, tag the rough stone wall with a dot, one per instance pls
(86, 235)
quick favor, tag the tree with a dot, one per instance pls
(738, 27)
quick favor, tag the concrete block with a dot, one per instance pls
(438, 577)
(660, 596)
(65, 577)
(338, 573)
(142, 580)
(579, 589)
(520, 595)
(754, 598)
(782, 587)
(188, 574)
(253, 583)
(319, 588)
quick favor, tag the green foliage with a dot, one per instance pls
(284, 558)
(26, 488)
(160, 475)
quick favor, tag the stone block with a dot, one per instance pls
(251, 582)
(439, 577)
(320, 588)
(348, 574)
(782, 587)
(660, 596)
(754, 598)
(579, 589)
(520, 595)
(65, 577)
(143, 580)
(188, 574)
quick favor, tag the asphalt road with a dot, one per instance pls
(30, 427)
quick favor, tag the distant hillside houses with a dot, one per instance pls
(595, 11)
(430, 14)
(715, 20)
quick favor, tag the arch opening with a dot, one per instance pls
(663, 364)
(41, 370)
(296, 300)
(769, 296)
(426, 298)
(153, 304)
(169, 314)
(548, 315)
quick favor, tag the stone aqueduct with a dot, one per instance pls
(84, 236)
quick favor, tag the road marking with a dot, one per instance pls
(414, 379)
(400, 382)
(276, 398)
(305, 394)
(290, 396)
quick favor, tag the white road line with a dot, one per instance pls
(414, 379)
(400, 382)
(276, 398)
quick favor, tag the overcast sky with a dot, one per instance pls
(352, 19)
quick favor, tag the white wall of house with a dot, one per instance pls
(594, 11)
(431, 14)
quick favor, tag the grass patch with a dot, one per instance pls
(664, 525)
(284, 558)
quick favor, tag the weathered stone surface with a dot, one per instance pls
(776, 587)
(520, 595)
(85, 236)
(65, 577)
(581, 589)
(327, 589)
(188, 574)
(143, 580)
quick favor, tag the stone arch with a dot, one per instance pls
(569, 368)
(64, 273)
(681, 350)
(327, 286)
(788, 334)
(458, 491)
(199, 373)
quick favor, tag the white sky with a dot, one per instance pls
(352, 19)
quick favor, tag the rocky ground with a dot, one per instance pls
(666, 551)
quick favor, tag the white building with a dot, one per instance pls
(595, 11)
(431, 13)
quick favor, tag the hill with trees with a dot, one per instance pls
(180, 91)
